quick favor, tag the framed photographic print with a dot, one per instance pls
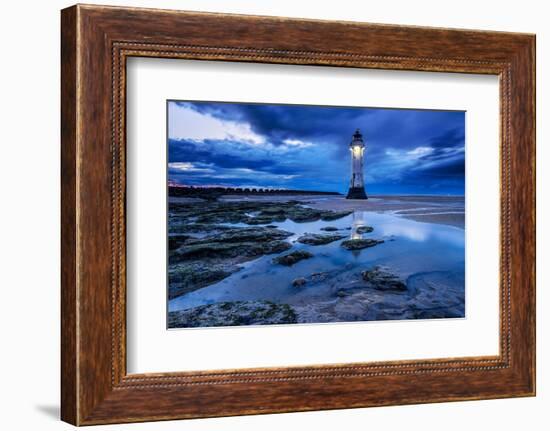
(264, 195)
(259, 216)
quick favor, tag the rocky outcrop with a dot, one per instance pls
(292, 258)
(299, 282)
(236, 313)
(248, 212)
(259, 234)
(360, 243)
(249, 242)
(215, 249)
(319, 238)
(364, 229)
(176, 241)
(380, 279)
(334, 215)
(181, 227)
(196, 262)
(186, 277)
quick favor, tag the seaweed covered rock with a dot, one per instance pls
(259, 220)
(217, 212)
(230, 243)
(329, 228)
(179, 227)
(364, 229)
(380, 279)
(189, 276)
(233, 314)
(319, 238)
(220, 249)
(360, 243)
(299, 282)
(273, 211)
(301, 214)
(176, 241)
(292, 258)
(261, 234)
(334, 215)
(248, 212)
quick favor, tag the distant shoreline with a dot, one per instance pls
(195, 191)
(215, 192)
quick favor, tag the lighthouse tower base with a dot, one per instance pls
(356, 193)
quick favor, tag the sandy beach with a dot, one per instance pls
(448, 210)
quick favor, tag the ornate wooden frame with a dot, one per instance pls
(96, 41)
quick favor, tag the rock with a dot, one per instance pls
(274, 247)
(225, 212)
(228, 250)
(261, 234)
(364, 229)
(329, 228)
(300, 214)
(319, 276)
(182, 228)
(216, 212)
(251, 242)
(342, 294)
(303, 214)
(204, 262)
(274, 211)
(292, 258)
(360, 243)
(189, 276)
(176, 241)
(259, 220)
(334, 215)
(299, 282)
(382, 280)
(319, 239)
(233, 314)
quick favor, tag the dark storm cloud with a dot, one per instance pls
(189, 151)
(307, 147)
(449, 138)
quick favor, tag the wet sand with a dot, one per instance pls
(447, 210)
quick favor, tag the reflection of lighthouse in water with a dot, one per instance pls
(356, 222)
(357, 184)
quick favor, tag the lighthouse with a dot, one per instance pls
(357, 184)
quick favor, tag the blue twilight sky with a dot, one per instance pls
(307, 147)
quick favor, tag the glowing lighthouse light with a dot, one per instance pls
(357, 184)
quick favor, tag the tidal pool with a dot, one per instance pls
(417, 252)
